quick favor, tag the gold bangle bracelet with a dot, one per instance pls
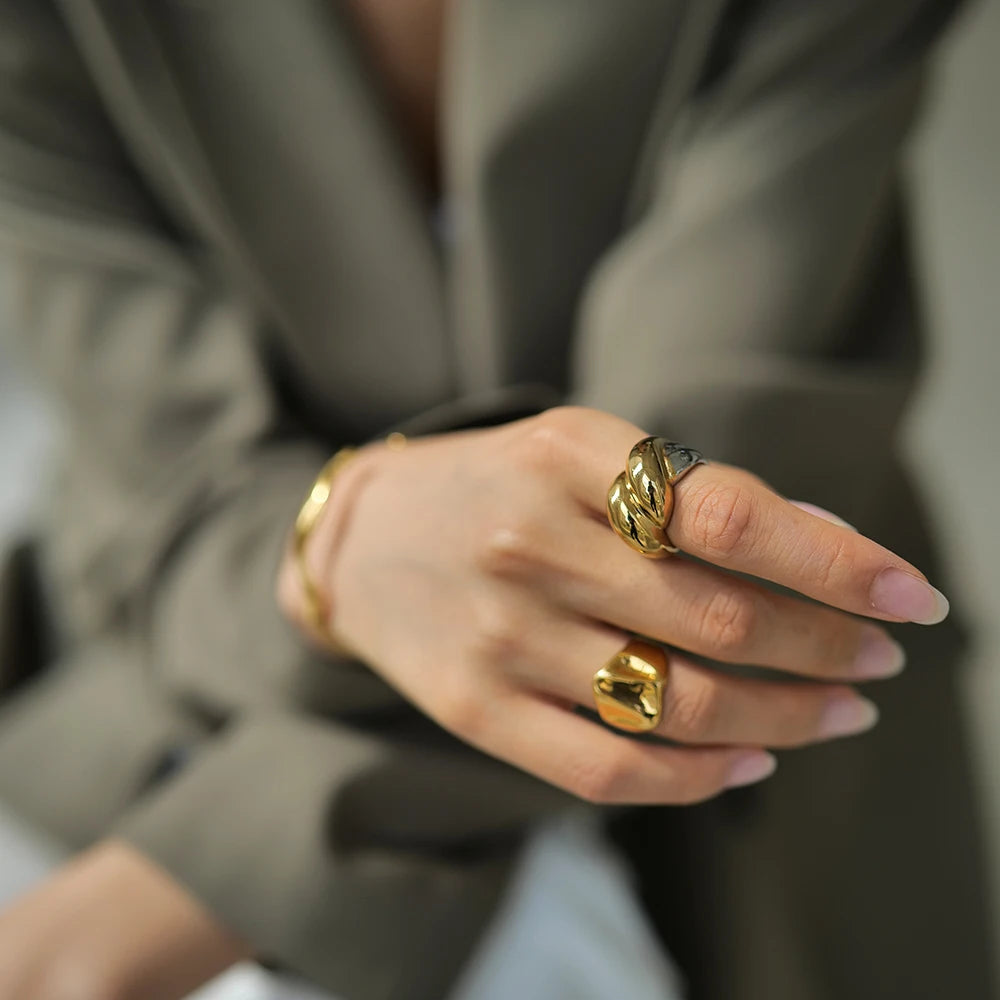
(315, 606)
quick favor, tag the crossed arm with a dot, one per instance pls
(188, 504)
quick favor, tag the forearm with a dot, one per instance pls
(112, 925)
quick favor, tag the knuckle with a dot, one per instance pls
(703, 779)
(729, 623)
(598, 779)
(463, 710)
(546, 441)
(510, 547)
(834, 564)
(794, 717)
(567, 418)
(692, 712)
(833, 646)
(498, 633)
(721, 518)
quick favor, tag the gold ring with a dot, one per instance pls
(641, 499)
(628, 689)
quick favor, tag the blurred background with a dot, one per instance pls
(952, 435)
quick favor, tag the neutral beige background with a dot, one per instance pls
(954, 431)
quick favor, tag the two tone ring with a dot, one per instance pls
(628, 689)
(641, 499)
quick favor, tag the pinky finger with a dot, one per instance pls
(550, 741)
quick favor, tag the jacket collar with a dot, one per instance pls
(261, 123)
(547, 107)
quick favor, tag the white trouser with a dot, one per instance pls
(569, 929)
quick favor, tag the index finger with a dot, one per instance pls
(731, 518)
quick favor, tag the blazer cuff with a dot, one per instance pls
(367, 865)
(217, 636)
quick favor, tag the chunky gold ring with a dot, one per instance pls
(628, 689)
(641, 499)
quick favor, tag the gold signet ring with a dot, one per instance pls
(628, 689)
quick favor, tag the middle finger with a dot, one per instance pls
(586, 570)
(730, 518)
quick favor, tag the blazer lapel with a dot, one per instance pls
(546, 108)
(262, 123)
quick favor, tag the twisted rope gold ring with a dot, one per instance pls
(641, 499)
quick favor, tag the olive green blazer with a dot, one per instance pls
(223, 267)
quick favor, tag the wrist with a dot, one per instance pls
(320, 550)
(304, 589)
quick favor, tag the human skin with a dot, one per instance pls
(476, 572)
(110, 925)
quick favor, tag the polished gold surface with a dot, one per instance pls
(649, 480)
(314, 606)
(631, 522)
(640, 500)
(628, 689)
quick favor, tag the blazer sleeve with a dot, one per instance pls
(319, 817)
(765, 286)
(764, 275)
(180, 473)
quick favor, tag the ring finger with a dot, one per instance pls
(700, 705)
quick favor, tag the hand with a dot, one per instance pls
(110, 925)
(477, 573)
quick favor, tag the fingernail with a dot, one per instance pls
(811, 508)
(878, 655)
(848, 716)
(754, 767)
(903, 595)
